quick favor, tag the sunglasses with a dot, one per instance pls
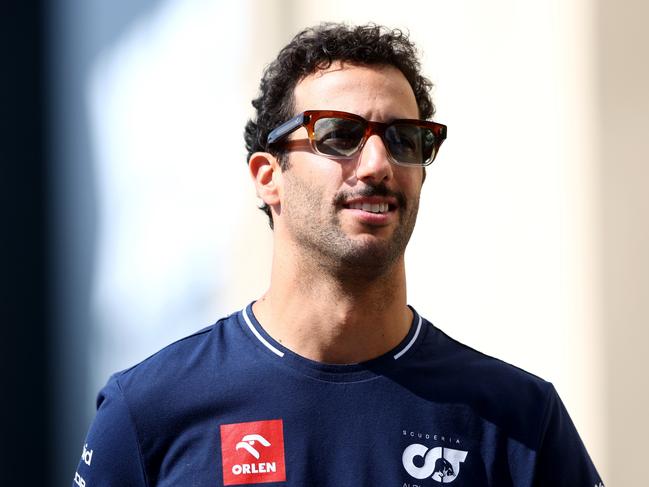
(341, 135)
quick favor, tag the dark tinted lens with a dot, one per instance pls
(410, 143)
(338, 136)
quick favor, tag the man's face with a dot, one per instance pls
(324, 202)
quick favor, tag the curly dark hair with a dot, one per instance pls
(317, 48)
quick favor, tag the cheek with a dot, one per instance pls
(305, 194)
(315, 181)
(347, 168)
(324, 181)
(411, 181)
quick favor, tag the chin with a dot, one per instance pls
(369, 256)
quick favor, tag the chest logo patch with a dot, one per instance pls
(440, 464)
(253, 453)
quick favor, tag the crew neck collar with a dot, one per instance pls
(332, 372)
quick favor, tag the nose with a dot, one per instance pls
(374, 162)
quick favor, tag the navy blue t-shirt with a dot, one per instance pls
(231, 406)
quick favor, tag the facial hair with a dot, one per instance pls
(320, 234)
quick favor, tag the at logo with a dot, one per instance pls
(439, 463)
(253, 453)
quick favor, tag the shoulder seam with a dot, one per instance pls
(188, 337)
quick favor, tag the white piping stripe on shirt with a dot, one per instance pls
(412, 340)
(258, 335)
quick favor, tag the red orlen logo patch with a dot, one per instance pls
(253, 452)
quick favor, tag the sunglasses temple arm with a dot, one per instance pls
(286, 128)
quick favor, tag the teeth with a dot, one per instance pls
(370, 207)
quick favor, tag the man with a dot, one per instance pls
(330, 378)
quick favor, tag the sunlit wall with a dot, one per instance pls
(160, 236)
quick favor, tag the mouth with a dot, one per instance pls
(377, 205)
(371, 207)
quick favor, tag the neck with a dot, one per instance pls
(334, 316)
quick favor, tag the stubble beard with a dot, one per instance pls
(326, 245)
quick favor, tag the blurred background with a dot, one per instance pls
(130, 220)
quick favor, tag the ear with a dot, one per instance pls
(264, 169)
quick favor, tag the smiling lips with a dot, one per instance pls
(371, 205)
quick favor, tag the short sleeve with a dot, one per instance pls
(111, 455)
(562, 457)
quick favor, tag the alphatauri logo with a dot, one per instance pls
(253, 452)
(439, 463)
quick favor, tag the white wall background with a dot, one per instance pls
(512, 254)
